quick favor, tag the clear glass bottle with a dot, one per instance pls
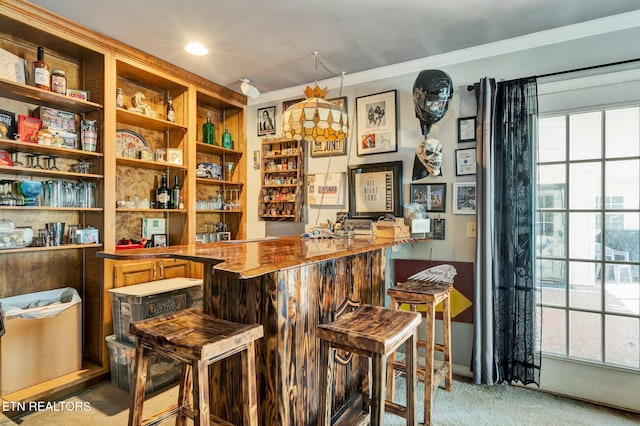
(208, 131)
(40, 69)
(58, 82)
(227, 142)
(171, 114)
(163, 196)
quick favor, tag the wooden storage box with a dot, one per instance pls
(387, 229)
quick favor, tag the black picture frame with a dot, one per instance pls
(465, 162)
(376, 119)
(466, 129)
(330, 148)
(266, 121)
(159, 240)
(432, 196)
(375, 190)
(287, 104)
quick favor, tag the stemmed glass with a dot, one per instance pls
(51, 162)
(15, 159)
(229, 165)
(37, 164)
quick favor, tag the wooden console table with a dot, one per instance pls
(289, 285)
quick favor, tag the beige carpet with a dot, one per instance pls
(467, 404)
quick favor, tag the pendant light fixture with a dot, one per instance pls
(315, 118)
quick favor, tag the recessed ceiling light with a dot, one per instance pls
(196, 48)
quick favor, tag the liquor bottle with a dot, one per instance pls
(175, 194)
(209, 131)
(162, 194)
(226, 139)
(41, 77)
(171, 114)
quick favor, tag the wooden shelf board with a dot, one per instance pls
(62, 247)
(134, 119)
(36, 96)
(51, 151)
(27, 171)
(216, 149)
(146, 164)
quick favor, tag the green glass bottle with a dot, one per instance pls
(208, 131)
(227, 142)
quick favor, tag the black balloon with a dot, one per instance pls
(432, 91)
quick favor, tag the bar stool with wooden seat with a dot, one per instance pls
(427, 288)
(374, 332)
(196, 340)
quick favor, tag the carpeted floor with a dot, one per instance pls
(467, 404)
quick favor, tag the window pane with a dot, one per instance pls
(622, 133)
(585, 180)
(585, 335)
(585, 285)
(622, 183)
(623, 296)
(622, 341)
(550, 234)
(622, 238)
(554, 331)
(584, 236)
(552, 135)
(585, 136)
(552, 187)
(551, 275)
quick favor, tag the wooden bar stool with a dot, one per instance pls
(197, 341)
(374, 332)
(427, 288)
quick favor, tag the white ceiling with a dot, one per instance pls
(272, 42)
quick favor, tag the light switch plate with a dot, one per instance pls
(471, 229)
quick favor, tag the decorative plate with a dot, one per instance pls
(128, 140)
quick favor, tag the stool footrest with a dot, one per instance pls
(172, 411)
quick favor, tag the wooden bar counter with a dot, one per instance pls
(289, 285)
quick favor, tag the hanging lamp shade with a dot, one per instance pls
(315, 118)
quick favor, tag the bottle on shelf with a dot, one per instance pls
(40, 69)
(227, 142)
(171, 114)
(58, 82)
(175, 194)
(208, 131)
(163, 196)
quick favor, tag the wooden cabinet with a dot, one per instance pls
(282, 195)
(131, 273)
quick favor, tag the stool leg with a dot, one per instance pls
(249, 393)
(428, 361)
(391, 376)
(411, 357)
(446, 321)
(183, 394)
(200, 374)
(325, 384)
(378, 388)
(139, 381)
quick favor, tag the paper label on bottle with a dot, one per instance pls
(163, 197)
(41, 76)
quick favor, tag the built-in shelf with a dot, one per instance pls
(146, 164)
(36, 96)
(51, 151)
(135, 119)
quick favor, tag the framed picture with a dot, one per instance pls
(330, 148)
(438, 229)
(465, 162)
(287, 104)
(376, 123)
(159, 240)
(466, 129)
(464, 198)
(326, 189)
(375, 190)
(431, 195)
(266, 121)
(174, 156)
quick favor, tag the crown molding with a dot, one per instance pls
(594, 27)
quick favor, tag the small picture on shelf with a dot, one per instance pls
(174, 156)
(159, 240)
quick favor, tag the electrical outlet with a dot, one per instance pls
(471, 229)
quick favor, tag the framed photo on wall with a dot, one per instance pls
(287, 104)
(464, 197)
(326, 189)
(330, 148)
(466, 129)
(266, 121)
(375, 190)
(431, 195)
(376, 123)
(465, 162)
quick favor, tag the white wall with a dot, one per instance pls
(596, 42)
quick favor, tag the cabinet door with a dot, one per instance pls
(131, 273)
(173, 268)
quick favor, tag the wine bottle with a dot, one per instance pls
(175, 194)
(209, 131)
(171, 114)
(41, 76)
(226, 139)
(163, 196)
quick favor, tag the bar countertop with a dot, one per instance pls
(252, 258)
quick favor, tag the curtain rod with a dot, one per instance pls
(610, 64)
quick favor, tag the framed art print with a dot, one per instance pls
(266, 121)
(464, 197)
(432, 196)
(376, 123)
(466, 129)
(465, 162)
(326, 189)
(375, 190)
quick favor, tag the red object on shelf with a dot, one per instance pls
(129, 246)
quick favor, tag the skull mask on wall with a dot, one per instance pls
(429, 152)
